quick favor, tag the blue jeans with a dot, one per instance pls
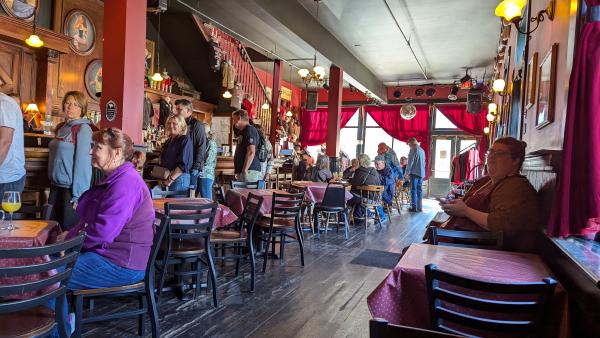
(17, 185)
(195, 180)
(416, 192)
(206, 187)
(181, 183)
(92, 271)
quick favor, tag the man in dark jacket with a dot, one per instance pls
(196, 132)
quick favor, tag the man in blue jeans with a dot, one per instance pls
(415, 171)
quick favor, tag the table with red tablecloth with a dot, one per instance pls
(315, 191)
(401, 298)
(236, 199)
(223, 217)
(28, 234)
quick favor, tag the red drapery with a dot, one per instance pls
(577, 199)
(469, 123)
(389, 119)
(314, 125)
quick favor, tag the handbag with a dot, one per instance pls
(160, 173)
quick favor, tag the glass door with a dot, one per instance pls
(443, 151)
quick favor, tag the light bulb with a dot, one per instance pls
(498, 85)
(510, 10)
(303, 72)
(490, 117)
(157, 77)
(32, 107)
(486, 130)
(492, 107)
(319, 71)
(34, 41)
(265, 106)
(227, 94)
(289, 114)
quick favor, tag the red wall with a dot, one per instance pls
(267, 80)
(441, 92)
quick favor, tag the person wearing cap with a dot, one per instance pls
(391, 159)
(387, 179)
(415, 171)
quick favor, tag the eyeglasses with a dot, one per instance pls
(496, 153)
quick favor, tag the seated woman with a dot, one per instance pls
(364, 175)
(117, 216)
(320, 172)
(387, 179)
(177, 155)
(503, 200)
(349, 172)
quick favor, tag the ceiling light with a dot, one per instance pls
(33, 40)
(264, 106)
(490, 117)
(498, 85)
(317, 74)
(492, 107)
(303, 72)
(486, 130)
(453, 93)
(157, 77)
(419, 92)
(466, 81)
(511, 12)
(227, 94)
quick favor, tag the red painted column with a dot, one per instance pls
(123, 72)
(334, 112)
(276, 91)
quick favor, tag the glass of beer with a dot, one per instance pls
(11, 202)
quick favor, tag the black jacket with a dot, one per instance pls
(197, 134)
(365, 176)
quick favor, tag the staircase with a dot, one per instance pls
(246, 76)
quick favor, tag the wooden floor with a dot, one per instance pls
(325, 298)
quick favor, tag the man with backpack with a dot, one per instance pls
(265, 155)
(246, 160)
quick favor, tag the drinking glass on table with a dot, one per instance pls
(11, 202)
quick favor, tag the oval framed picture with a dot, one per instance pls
(93, 79)
(80, 27)
(21, 9)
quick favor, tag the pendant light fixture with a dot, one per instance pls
(227, 94)
(317, 74)
(289, 112)
(33, 40)
(157, 77)
(265, 105)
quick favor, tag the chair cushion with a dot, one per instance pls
(29, 323)
(100, 291)
(278, 223)
(228, 236)
(186, 247)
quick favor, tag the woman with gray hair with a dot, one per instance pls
(365, 174)
(320, 172)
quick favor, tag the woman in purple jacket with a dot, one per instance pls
(117, 216)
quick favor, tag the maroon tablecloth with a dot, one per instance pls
(315, 191)
(223, 217)
(236, 199)
(401, 298)
(28, 234)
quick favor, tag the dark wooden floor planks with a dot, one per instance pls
(325, 298)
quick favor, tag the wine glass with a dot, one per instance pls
(11, 202)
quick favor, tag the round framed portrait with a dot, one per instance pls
(22, 9)
(80, 27)
(93, 79)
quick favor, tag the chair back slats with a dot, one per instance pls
(244, 185)
(202, 216)
(171, 194)
(380, 328)
(371, 194)
(335, 196)
(161, 229)
(52, 258)
(472, 239)
(286, 206)
(488, 306)
(251, 212)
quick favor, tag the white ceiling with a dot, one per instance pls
(446, 35)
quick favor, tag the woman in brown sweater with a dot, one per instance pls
(502, 201)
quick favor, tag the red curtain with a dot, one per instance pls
(469, 123)
(577, 199)
(314, 125)
(389, 119)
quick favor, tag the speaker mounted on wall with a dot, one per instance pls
(474, 100)
(312, 98)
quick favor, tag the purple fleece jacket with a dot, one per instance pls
(120, 218)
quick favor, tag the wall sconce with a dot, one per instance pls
(227, 94)
(498, 87)
(511, 10)
(486, 130)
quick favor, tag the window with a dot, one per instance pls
(442, 122)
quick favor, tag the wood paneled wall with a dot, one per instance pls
(18, 67)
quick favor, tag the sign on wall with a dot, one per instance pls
(286, 94)
(111, 110)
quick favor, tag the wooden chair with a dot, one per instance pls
(516, 308)
(188, 241)
(240, 238)
(31, 317)
(283, 220)
(470, 239)
(401, 195)
(172, 194)
(34, 212)
(370, 199)
(244, 185)
(307, 208)
(144, 291)
(334, 204)
(380, 328)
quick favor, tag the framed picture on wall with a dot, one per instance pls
(546, 91)
(20, 9)
(149, 57)
(93, 79)
(80, 27)
(531, 81)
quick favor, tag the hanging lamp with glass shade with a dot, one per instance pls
(227, 94)
(265, 105)
(34, 40)
(157, 76)
(289, 112)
